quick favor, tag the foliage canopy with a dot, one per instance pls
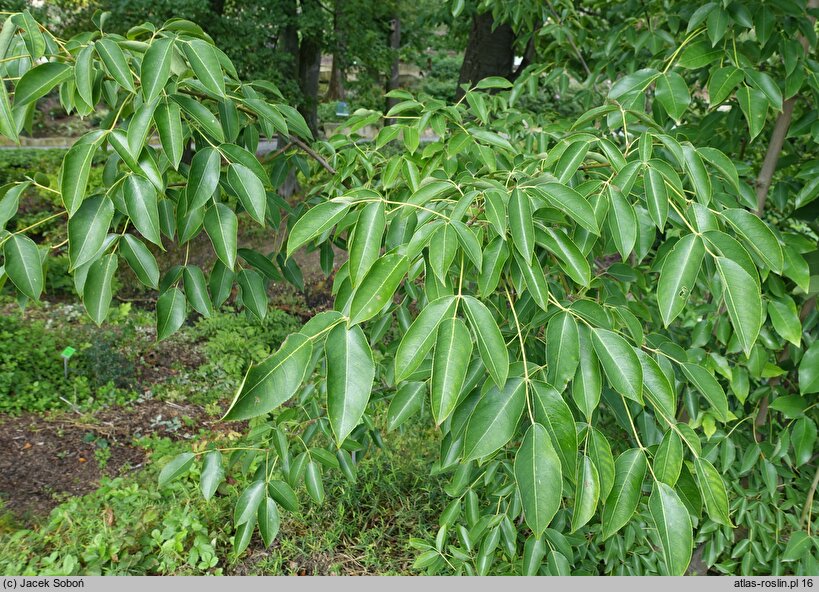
(593, 307)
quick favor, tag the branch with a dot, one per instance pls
(783, 122)
(780, 131)
(315, 155)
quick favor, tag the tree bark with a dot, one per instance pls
(337, 75)
(780, 132)
(393, 80)
(309, 67)
(489, 51)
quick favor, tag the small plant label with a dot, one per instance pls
(66, 355)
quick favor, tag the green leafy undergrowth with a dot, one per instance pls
(33, 376)
(129, 526)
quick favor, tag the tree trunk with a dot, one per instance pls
(489, 51)
(337, 75)
(395, 46)
(288, 45)
(309, 68)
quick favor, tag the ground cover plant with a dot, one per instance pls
(606, 307)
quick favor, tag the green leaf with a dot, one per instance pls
(767, 85)
(754, 105)
(442, 249)
(656, 197)
(536, 284)
(803, 438)
(785, 319)
(350, 373)
(249, 189)
(201, 117)
(570, 258)
(678, 276)
(552, 412)
(633, 83)
(723, 164)
(212, 474)
(808, 369)
(709, 387)
(8, 127)
(568, 200)
(139, 126)
(494, 420)
(314, 222)
(39, 81)
(156, 68)
(429, 191)
(97, 291)
(220, 283)
(713, 491)
(562, 350)
(406, 403)
(698, 174)
(534, 550)
(490, 81)
(469, 243)
(141, 203)
(74, 173)
(622, 221)
(222, 227)
(587, 384)
(600, 453)
(759, 237)
(669, 458)
(23, 265)
(538, 477)
(205, 65)
(365, 245)
(798, 546)
(178, 466)
(377, 287)
(420, 337)
(656, 387)
(494, 258)
(629, 472)
(203, 177)
(283, 494)
(141, 260)
(314, 483)
(272, 382)
(248, 503)
(87, 229)
(453, 351)
(491, 345)
(673, 527)
(495, 210)
(620, 363)
(196, 290)
(254, 293)
(521, 225)
(268, 521)
(170, 313)
(722, 83)
(587, 493)
(115, 63)
(168, 119)
(84, 74)
(571, 159)
(672, 93)
(743, 301)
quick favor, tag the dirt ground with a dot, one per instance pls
(43, 459)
